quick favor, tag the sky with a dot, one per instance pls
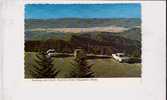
(56, 11)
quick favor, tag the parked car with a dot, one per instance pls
(51, 52)
(121, 57)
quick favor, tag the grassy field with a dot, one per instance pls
(103, 68)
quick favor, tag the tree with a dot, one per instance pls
(44, 68)
(136, 53)
(81, 69)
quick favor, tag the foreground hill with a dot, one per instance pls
(103, 68)
(102, 44)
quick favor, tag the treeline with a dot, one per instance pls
(104, 46)
(38, 46)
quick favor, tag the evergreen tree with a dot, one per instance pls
(44, 68)
(81, 69)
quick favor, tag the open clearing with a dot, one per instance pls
(103, 68)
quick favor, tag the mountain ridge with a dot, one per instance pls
(81, 22)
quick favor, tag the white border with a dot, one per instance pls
(76, 1)
(113, 81)
(151, 87)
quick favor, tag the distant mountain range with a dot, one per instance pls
(80, 23)
(101, 36)
(37, 29)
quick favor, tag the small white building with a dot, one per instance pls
(51, 52)
(121, 57)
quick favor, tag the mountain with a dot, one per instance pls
(106, 44)
(115, 29)
(103, 44)
(98, 36)
(39, 29)
(80, 23)
(133, 34)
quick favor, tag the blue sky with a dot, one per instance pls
(53, 11)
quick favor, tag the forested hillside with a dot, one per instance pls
(97, 42)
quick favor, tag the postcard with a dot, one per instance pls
(82, 50)
(82, 40)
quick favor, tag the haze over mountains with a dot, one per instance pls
(115, 29)
(129, 28)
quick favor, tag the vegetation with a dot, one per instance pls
(45, 67)
(81, 69)
(93, 42)
(104, 44)
(133, 34)
(102, 68)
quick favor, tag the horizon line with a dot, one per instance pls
(84, 18)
